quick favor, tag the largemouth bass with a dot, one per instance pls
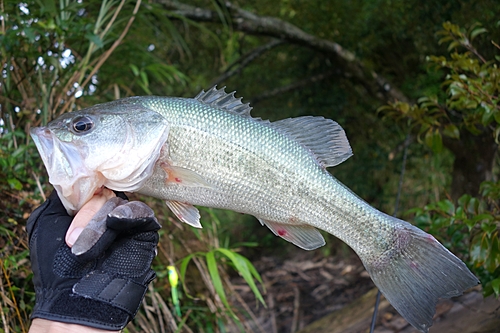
(209, 151)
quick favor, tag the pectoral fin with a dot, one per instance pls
(302, 235)
(183, 176)
(186, 213)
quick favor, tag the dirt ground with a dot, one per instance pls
(306, 287)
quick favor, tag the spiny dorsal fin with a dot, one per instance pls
(325, 138)
(221, 100)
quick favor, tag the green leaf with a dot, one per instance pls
(495, 284)
(144, 78)
(447, 206)
(451, 131)
(183, 267)
(94, 39)
(241, 265)
(29, 33)
(134, 69)
(477, 32)
(460, 213)
(454, 44)
(488, 115)
(18, 151)
(15, 184)
(470, 223)
(216, 280)
(464, 200)
(493, 260)
(479, 249)
(48, 6)
(473, 206)
(497, 135)
(434, 140)
(488, 228)
(404, 108)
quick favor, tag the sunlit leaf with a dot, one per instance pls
(451, 131)
(184, 263)
(477, 32)
(134, 69)
(495, 284)
(241, 265)
(15, 184)
(447, 206)
(434, 140)
(216, 280)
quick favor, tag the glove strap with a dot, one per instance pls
(115, 291)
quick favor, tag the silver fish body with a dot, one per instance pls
(209, 151)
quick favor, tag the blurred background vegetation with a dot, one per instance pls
(385, 70)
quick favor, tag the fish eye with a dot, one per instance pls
(82, 124)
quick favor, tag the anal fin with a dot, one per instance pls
(302, 235)
(186, 213)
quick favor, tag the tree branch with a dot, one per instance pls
(253, 24)
(245, 60)
(290, 87)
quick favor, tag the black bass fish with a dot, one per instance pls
(209, 151)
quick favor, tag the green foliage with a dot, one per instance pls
(472, 88)
(18, 162)
(212, 266)
(156, 72)
(51, 54)
(15, 277)
(220, 256)
(472, 227)
(241, 264)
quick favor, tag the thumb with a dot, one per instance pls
(83, 217)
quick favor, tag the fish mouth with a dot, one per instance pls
(65, 164)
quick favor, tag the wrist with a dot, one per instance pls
(40, 325)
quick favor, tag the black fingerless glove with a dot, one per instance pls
(102, 288)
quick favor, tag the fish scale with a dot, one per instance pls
(209, 151)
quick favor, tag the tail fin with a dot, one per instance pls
(416, 273)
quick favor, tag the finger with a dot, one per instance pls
(96, 229)
(83, 217)
(116, 217)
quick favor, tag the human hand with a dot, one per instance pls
(85, 215)
(103, 287)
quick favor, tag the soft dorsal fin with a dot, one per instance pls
(325, 138)
(219, 99)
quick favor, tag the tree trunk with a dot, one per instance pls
(474, 156)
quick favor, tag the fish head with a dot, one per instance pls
(114, 145)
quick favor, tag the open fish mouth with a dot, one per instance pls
(74, 183)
